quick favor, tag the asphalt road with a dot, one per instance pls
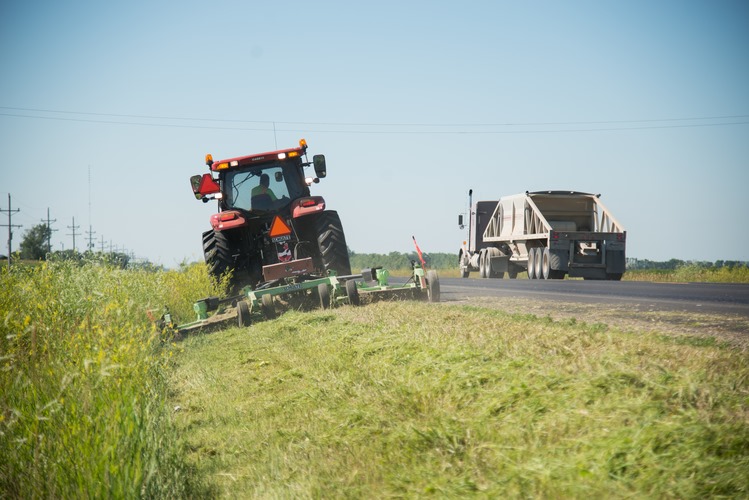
(714, 298)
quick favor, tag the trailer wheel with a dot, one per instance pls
(614, 276)
(433, 286)
(545, 264)
(267, 306)
(532, 264)
(243, 314)
(324, 293)
(539, 264)
(352, 292)
(482, 264)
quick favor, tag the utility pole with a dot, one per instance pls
(49, 231)
(90, 231)
(74, 234)
(90, 234)
(10, 227)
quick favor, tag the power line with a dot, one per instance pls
(664, 123)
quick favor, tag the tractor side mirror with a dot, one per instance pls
(460, 221)
(320, 169)
(203, 185)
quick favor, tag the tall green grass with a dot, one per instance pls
(84, 381)
(408, 400)
(692, 274)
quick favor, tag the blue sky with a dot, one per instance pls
(413, 104)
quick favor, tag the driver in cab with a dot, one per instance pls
(262, 194)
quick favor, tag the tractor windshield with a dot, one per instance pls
(262, 189)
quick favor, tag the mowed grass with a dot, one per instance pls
(406, 399)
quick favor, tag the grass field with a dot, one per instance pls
(392, 399)
(413, 399)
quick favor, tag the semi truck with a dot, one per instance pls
(547, 234)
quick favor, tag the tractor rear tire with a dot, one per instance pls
(332, 243)
(217, 251)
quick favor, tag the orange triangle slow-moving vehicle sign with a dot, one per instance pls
(279, 230)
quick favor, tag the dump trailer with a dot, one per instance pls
(548, 234)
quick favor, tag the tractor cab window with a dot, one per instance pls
(259, 189)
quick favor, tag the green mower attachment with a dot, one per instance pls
(300, 290)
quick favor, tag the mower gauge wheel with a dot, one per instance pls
(243, 314)
(324, 293)
(269, 310)
(433, 286)
(352, 292)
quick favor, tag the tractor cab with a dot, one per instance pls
(265, 182)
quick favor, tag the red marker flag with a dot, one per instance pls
(418, 251)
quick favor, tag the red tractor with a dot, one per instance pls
(267, 219)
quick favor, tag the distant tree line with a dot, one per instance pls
(35, 247)
(398, 260)
(670, 265)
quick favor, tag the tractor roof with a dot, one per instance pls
(260, 158)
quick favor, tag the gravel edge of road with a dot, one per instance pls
(732, 330)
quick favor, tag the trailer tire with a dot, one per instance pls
(266, 305)
(433, 286)
(532, 264)
(614, 276)
(352, 292)
(539, 263)
(482, 264)
(324, 293)
(545, 264)
(244, 318)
